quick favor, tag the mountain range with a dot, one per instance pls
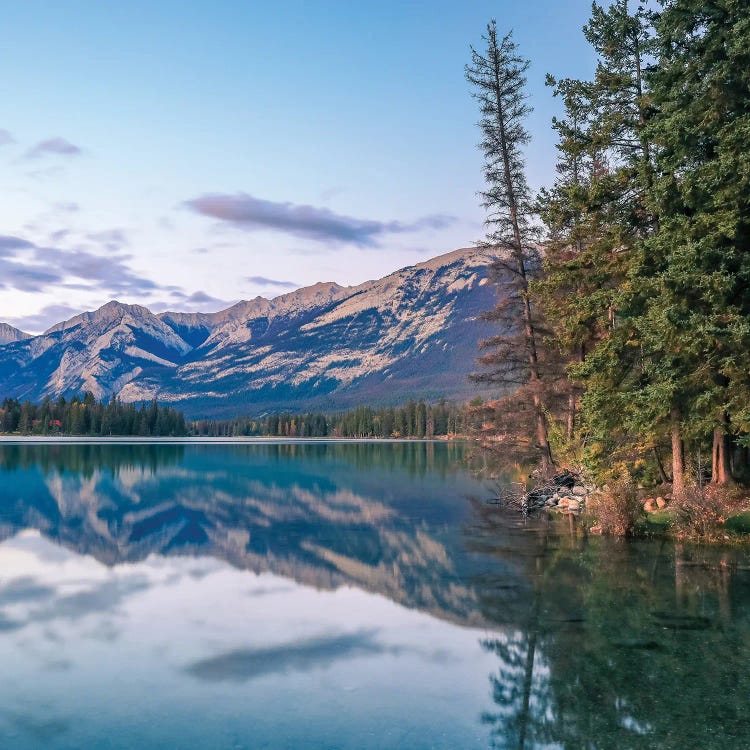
(411, 334)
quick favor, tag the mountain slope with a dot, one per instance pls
(97, 351)
(9, 334)
(413, 333)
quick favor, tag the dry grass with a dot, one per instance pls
(701, 512)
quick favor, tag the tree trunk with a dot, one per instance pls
(660, 465)
(571, 416)
(678, 463)
(572, 396)
(721, 472)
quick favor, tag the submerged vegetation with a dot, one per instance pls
(624, 308)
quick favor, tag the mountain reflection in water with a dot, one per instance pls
(368, 588)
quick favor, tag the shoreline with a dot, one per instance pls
(248, 440)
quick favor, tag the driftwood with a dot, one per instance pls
(517, 497)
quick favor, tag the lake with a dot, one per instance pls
(345, 595)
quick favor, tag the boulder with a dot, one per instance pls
(661, 503)
(565, 480)
(650, 505)
(563, 502)
(574, 504)
(579, 490)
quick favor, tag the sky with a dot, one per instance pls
(186, 155)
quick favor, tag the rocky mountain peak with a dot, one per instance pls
(9, 334)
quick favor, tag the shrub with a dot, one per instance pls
(618, 508)
(702, 511)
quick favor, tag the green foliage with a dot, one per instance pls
(414, 420)
(86, 416)
(646, 274)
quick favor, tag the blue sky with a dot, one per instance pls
(185, 155)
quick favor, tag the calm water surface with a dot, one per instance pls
(348, 596)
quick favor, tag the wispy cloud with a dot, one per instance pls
(194, 302)
(30, 267)
(265, 281)
(67, 206)
(27, 277)
(112, 239)
(44, 318)
(6, 137)
(9, 242)
(311, 222)
(53, 146)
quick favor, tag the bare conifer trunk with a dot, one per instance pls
(678, 463)
(571, 416)
(660, 466)
(721, 472)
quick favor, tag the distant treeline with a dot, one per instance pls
(87, 416)
(414, 420)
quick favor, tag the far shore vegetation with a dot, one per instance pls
(84, 415)
(87, 417)
(416, 419)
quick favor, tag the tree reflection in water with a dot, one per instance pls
(615, 644)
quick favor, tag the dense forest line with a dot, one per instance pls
(414, 420)
(624, 313)
(87, 416)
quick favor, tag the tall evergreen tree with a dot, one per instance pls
(599, 215)
(576, 284)
(512, 358)
(701, 89)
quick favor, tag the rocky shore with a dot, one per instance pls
(566, 492)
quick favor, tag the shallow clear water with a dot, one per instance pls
(345, 596)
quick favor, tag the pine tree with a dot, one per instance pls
(600, 215)
(701, 89)
(576, 285)
(512, 359)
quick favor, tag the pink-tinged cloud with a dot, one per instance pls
(311, 222)
(265, 281)
(56, 146)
